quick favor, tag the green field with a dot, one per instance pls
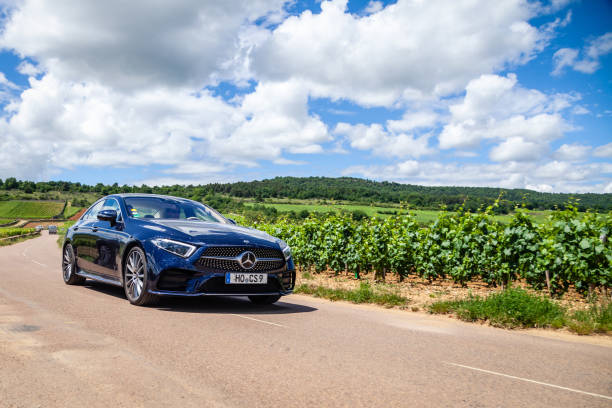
(6, 220)
(30, 209)
(70, 210)
(422, 216)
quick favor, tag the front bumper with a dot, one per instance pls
(171, 275)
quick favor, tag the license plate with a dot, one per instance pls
(246, 278)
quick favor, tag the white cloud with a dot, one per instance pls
(397, 53)
(551, 176)
(26, 68)
(124, 89)
(497, 108)
(277, 118)
(591, 53)
(134, 44)
(580, 110)
(5, 83)
(129, 88)
(59, 125)
(572, 152)
(518, 149)
(375, 138)
(604, 151)
(413, 120)
(373, 7)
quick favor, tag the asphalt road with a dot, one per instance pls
(64, 346)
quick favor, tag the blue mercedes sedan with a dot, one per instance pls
(155, 245)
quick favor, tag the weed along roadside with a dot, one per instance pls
(516, 308)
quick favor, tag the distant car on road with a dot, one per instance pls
(155, 245)
(39, 228)
(52, 229)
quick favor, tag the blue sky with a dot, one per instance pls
(510, 94)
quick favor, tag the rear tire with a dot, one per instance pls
(264, 299)
(69, 267)
(135, 280)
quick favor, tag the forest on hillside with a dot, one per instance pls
(338, 189)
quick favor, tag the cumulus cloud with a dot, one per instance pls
(396, 53)
(572, 152)
(375, 138)
(126, 89)
(589, 61)
(517, 149)
(26, 68)
(604, 151)
(556, 176)
(277, 118)
(109, 88)
(130, 45)
(498, 108)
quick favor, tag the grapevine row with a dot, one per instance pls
(571, 249)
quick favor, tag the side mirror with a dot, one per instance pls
(232, 221)
(108, 215)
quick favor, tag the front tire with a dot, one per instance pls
(264, 299)
(69, 267)
(135, 278)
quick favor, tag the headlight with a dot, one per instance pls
(175, 247)
(286, 249)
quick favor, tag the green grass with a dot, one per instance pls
(597, 318)
(70, 210)
(422, 216)
(364, 294)
(61, 231)
(369, 210)
(518, 308)
(7, 220)
(30, 209)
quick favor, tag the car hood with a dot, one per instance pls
(212, 233)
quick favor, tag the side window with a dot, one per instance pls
(93, 211)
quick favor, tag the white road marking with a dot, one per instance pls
(36, 262)
(531, 381)
(257, 320)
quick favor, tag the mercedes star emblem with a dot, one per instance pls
(247, 260)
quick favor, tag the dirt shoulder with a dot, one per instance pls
(421, 294)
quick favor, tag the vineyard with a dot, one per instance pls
(571, 249)
(30, 209)
(12, 232)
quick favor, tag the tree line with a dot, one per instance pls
(339, 189)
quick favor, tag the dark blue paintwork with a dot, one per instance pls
(101, 247)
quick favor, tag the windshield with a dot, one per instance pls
(168, 208)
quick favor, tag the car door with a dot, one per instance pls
(109, 237)
(84, 239)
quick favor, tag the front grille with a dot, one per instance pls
(233, 251)
(207, 262)
(218, 285)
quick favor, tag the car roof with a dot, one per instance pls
(125, 195)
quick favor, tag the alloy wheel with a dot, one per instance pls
(134, 274)
(68, 262)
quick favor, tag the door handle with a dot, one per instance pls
(75, 229)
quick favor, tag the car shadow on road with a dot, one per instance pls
(209, 304)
